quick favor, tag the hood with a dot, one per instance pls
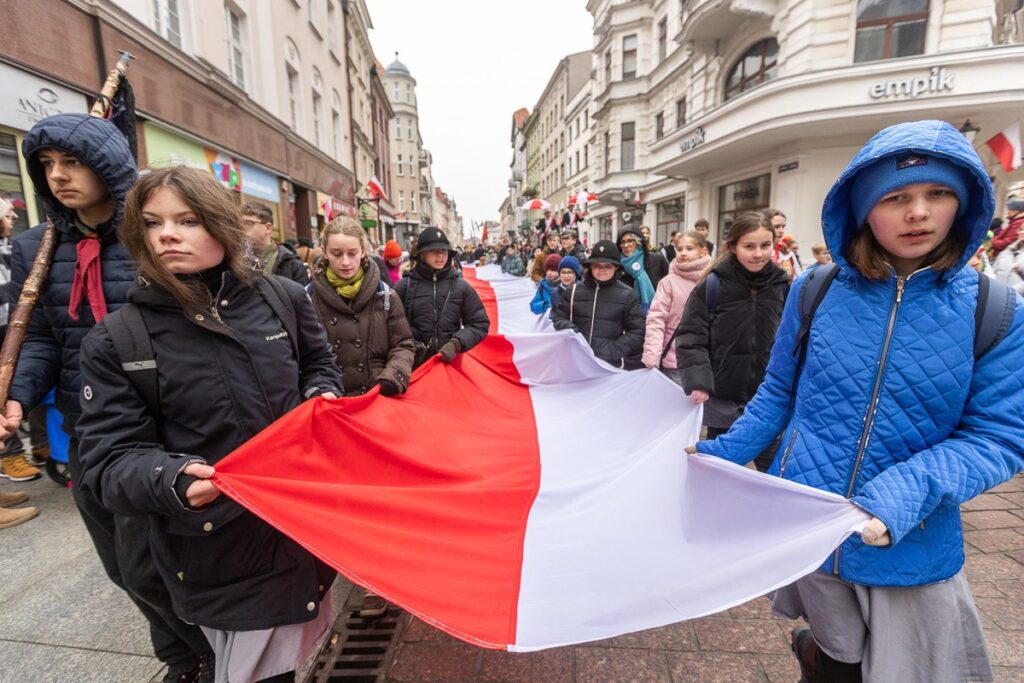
(99, 145)
(935, 138)
(635, 231)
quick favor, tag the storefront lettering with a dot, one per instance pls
(696, 139)
(938, 80)
(41, 106)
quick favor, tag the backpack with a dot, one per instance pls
(128, 333)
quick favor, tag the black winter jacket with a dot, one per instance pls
(289, 265)
(50, 354)
(655, 263)
(608, 315)
(726, 353)
(440, 306)
(224, 567)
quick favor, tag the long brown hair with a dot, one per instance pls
(870, 259)
(746, 223)
(216, 210)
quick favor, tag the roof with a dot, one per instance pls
(396, 67)
(519, 117)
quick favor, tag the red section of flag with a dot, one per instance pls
(376, 189)
(382, 490)
(1007, 147)
(486, 292)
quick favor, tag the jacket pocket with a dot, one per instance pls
(788, 452)
(242, 549)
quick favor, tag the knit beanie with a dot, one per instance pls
(893, 172)
(392, 250)
(571, 262)
(552, 261)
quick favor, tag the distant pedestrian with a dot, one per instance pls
(666, 312)
(392, 262)
(642, 269)
(277, 259)
(512, 263)
(546, 296)
(604, 311)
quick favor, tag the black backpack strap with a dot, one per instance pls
(714, 286)
(811, 295)
(128, 332)
(993, 314)
(284, 308)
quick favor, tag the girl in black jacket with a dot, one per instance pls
(725, 337)
(604, 310)
(233, 352)
(444, 311)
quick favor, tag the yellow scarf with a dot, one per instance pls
(346, 288)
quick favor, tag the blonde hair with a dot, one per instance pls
(819, 248)
(349, 227)
(695, 237)
(5, 208)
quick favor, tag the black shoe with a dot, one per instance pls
(807, 653)
(206, 668)
(198, 669)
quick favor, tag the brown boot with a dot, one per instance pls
(8, 500)
(16, 468)
(16, 516)
(39, 456)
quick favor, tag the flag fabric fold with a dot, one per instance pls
(528, 495)
(1006, 146)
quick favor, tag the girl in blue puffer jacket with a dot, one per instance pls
(893, 411)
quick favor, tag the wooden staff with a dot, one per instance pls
(17, 328)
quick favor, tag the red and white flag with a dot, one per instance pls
(528, 495)
(375, 188)
(1007, 147)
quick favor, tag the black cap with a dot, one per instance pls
(604, 251)
(433, 238)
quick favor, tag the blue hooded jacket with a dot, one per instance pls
(891, 409)
(50, 355)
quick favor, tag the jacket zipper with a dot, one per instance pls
(789, 449)
(593, 311)
(220, 290)
(869, 417)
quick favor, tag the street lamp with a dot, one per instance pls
(969, 130)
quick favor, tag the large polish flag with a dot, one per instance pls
(528, 495)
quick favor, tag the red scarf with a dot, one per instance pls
(88, 279)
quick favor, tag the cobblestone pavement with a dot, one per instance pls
(745, 643)
(62, 620)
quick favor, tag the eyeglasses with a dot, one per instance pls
(249, 222)
(628, 240)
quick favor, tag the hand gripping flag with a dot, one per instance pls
(528, 495)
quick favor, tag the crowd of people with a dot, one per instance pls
(867, 374)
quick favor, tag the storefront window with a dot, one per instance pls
(757, 65)
(890, 28)
(671, 218)
(738, 198)
(10, 180)
(606, 229)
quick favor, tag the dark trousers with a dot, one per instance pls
(36, 431)
(763, 460)
(122, 542)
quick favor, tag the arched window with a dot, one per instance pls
(890, 28)
(757, 65)
(292, 70)
(318, 114)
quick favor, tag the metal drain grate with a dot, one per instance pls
(358, 649)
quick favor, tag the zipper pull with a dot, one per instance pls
(900, 281)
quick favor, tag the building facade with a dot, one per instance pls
(406, 148)
(708, 108)
(515, 223)
(222, 86)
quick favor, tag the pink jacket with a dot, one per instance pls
(667, 309)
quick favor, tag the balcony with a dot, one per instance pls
(711, 20)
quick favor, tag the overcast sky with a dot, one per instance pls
(475, 62)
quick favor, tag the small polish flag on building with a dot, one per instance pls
(1007, 147)
(528, 495)
(376, 189)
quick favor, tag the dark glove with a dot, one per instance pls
(388, 388)
(450, 350)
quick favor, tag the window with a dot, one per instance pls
(168, 21)
(890, 29)
(293, 98)
(318, 113)
(607, 152)
(659, 126)
(628, 146)
(236, 58)
(607, 68)
(332, 29)
(629, 57)
(398, 127)
(586, 122)
(738, 198)
(662, 40)
(397, 93)
(577, 161)
(409, 132)
(757, 65)
(335, 132)
(577, 126)
(681, 113)
(412, 202)
(586, 156)
(401, 200)
(400, 171)
(408, 92)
